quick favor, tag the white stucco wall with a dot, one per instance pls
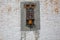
(50, 20)
(10, 20)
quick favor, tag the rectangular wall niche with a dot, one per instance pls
(30, 16)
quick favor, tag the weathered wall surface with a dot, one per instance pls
(50, 19)
(10, 20)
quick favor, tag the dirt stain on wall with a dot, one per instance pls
(9, 8)
(56, 10)
(46, 3)
(55, 5)
(17, 1)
